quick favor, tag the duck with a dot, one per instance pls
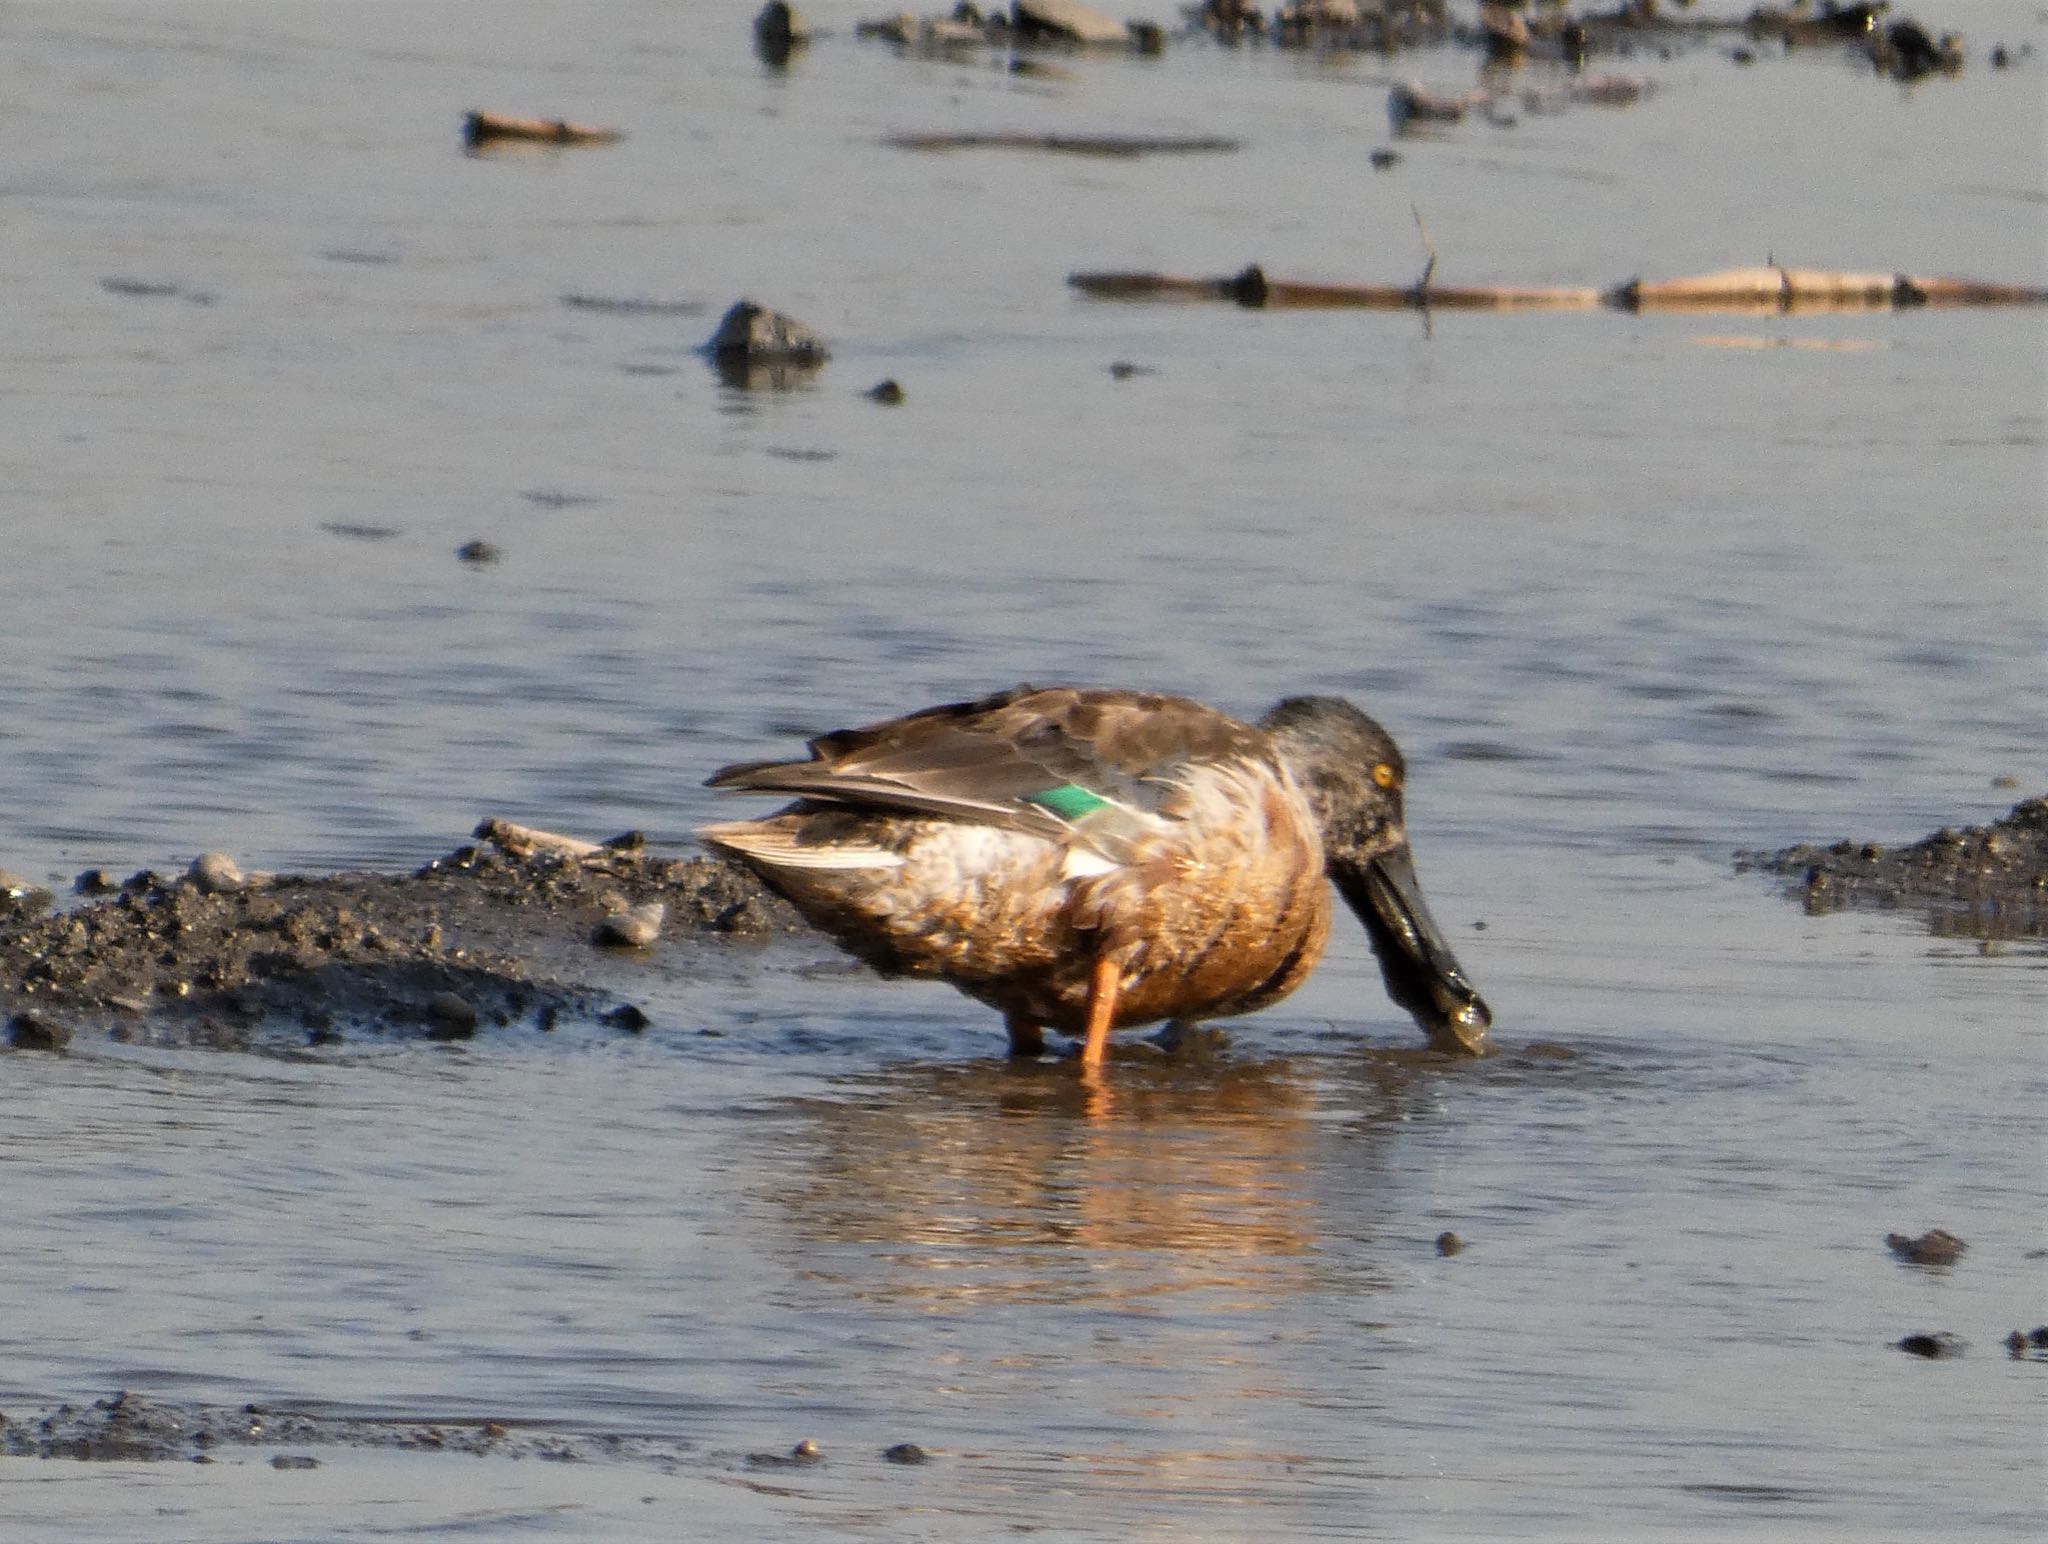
(1091, 859)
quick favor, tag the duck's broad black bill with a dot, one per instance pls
(1421, 972)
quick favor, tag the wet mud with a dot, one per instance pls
(494, 933)
(130, 1427)
(1987, 882)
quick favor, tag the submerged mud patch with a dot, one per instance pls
(1988, 882)
(130, 1427)
(508, 930)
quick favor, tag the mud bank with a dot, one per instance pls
(130, 1427)
(1988, 882)
(493, 933)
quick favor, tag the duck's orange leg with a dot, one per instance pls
(1027, 1038)
(1105, 981)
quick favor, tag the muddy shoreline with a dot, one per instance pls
(496, 932)
(509, 930)
(1986, 882)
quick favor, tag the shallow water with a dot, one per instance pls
(1630, 598)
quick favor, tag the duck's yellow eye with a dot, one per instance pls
(1384, 775)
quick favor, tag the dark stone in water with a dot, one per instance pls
(1937, 1346)
(629, 1018)
(906, 1453)
(1937, 1246)
(35, 1032)
(1448, 1243)
(888, 393)
(478, 552)
(294, 1461)
(453, 1016)
(753, 332)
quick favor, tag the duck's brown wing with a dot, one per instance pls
(1008, 759)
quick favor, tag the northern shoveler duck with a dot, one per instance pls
(1095, 859)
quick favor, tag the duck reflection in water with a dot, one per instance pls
(1092, 860)
(958, 1186)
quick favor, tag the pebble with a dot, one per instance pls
(217, 874)
(20, 894)
(478, 552)
(452, 1014)
(755, 332)
(906, 1453)
(628, 1018)
(95, 881)
(1448, 1243)
(633, 928)
(294, 1461)
(33, 1032)
(804, 1453)
(888, 393)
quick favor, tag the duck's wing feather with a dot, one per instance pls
(1006, 760)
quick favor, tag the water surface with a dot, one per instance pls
(1630, 599)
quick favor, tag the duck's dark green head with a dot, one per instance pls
(1353, 774)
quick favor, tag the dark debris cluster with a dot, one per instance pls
(1988, 882)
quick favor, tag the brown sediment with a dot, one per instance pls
(490, 934)
(1988, 882)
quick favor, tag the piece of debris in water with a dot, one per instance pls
(1937, 1246)
(480, 129)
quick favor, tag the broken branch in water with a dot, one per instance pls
(1769, 289)
(480, 128)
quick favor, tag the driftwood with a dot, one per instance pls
(517, 841)
(481, 128)
(1739, 289)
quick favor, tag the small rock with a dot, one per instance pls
(1448, 1243)
(294, 1461)
(95, 881)
(34, 1032)
(888, 393)
(453, 1016)
(1065, 21)
(1124, 370)
(18, 894)
(628, 1018)
(754, 332)
(906, 1453)
(1936, 1346)
(804, 1453)
(1937, 1246)
(478, 552)
(1385, 160)
(634, 928)
(2016, 1345)
(216, 873)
